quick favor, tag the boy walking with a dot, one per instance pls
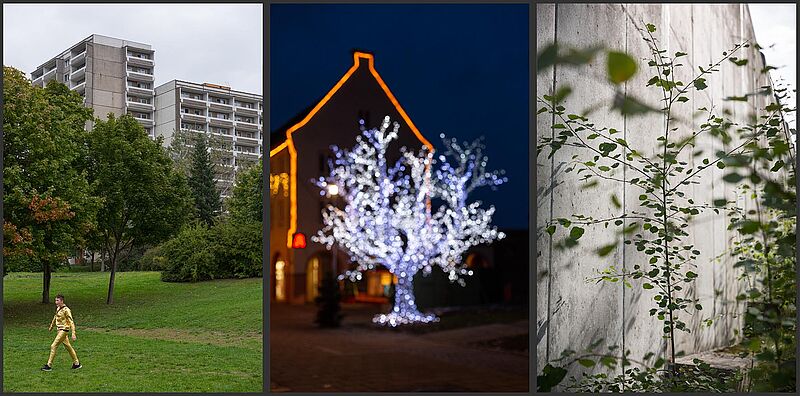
(64, 324)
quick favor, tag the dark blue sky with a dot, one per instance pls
(461, 70)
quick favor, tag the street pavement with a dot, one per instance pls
(360, 358)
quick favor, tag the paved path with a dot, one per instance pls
(356, 358)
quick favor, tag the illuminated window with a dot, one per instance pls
(312, 279)
(280, 281)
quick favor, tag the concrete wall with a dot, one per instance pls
(106, 66)
(572, 313)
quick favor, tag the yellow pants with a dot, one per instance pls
(62, 337)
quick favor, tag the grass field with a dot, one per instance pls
(156, 337)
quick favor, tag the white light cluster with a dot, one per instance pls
(387, 218)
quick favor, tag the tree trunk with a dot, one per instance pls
(110, 299)
(46, 283)
(92, 261)
(405, 308)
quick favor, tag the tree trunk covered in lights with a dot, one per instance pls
(387, 218)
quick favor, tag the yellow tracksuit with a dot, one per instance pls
(64, 324)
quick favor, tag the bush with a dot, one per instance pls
(189, 256)
(21, 264)
(153, 260)
(198, 253)
(239, 249)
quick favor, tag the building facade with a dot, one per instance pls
(300, 153)
(113, 75)
(233, 117)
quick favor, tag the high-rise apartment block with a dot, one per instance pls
(233, 117)
(116, 76)
(113, 75)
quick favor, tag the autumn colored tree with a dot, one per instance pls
(48, 207)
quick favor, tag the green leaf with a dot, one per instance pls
(586, 362)
(659, 362)
(682, 99)
(605, 250)
(615, 201)
(576, 233)
(679, 54)
(562, 93)
(551, 376)
(700, 84)
(621, 67)
(720, 165)
(738, 62)
(749, 227)
(647, 286)
(690, 274)
(778, 165)
(651, 28)
(733, 177)
(698, 307)
(628, 105)
(551, 230)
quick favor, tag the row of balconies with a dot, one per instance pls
(201, 115)
(226, 133)
(221, 103)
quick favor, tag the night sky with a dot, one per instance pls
(461, 70)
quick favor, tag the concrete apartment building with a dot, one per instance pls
(113, 75)
(116, 76)
(217, 111)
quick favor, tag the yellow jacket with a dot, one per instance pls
(63, 320)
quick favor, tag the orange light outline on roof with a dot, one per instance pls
(289, 143)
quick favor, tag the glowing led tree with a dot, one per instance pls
(388, 220)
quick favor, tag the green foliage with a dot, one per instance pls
(230, 249)
(47, 205)
(766, 251)
(238, 248)
(153, 260)
(207, 202)
(659, 228)
(246, 202)
(145, 199)
(621, 67)
(189, 255)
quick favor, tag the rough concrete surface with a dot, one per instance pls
(571, 313)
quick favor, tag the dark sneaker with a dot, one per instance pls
(46, 367)
(77, 366)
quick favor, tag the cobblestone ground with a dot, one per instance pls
(356, 358)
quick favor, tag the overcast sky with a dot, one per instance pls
(777, 24)
(220, 44)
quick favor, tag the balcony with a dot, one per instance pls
(145, 119)
(137, 104)
(78, 58)
(245, 125)
(195, 102)
(79, 87)
(78, 74)
(139, 60)
(247, 137)
(246, 110)
(139, 76)
(193, 117)
(219, 106)
(140, 90)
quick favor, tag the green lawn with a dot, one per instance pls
(157, 337)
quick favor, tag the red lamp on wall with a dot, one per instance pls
(298, 240)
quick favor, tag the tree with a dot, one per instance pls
(180, 150)
(207, 201)
(145, 199)
(387, 219)
(246, 202)
(47, 205)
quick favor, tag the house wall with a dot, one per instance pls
(571, 313)
(336, 123)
